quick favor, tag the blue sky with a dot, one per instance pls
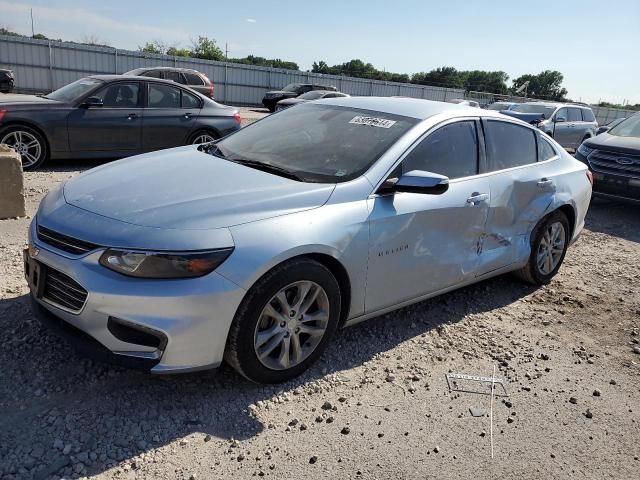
(595, 44)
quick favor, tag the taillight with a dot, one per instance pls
(590, 177)
(2, 114)
(211, 90)
(236, 117)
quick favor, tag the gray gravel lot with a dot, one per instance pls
(376, 405)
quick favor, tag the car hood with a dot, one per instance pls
(606, 141)
(26, 100)
(183, 188)
(292, 101)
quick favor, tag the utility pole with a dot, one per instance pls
(32, 31)
(226, 51)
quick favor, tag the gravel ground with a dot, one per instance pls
(377, 405)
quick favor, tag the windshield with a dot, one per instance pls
(75, 90)
(318, 143)
(292, 87)
(312, 95)
(627, 128)
(533, 108)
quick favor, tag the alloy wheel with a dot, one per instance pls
(551, 248)
(26, 144)
(291, 325)
(203, 138)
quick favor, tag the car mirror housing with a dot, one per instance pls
(93, 102)
(417, 181)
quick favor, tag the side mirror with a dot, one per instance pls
(559, 119)
(602, 129)
(417, 181)
(93, 102)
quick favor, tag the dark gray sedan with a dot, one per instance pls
(110, 116)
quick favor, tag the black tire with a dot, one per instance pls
(531, 273)
(240, 352)
(201, 132)
(43, 152)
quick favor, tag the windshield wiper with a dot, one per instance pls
(267, 167)
(211, 149)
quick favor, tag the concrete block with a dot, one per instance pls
(11, 184)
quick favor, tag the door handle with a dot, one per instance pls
(545, 182)
(132, 116)
(477, 198)
(187, 115)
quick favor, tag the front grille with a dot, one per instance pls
(64, 242)
(63, 291)
(607, 162)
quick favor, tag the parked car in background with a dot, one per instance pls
(292, 90)
(462, 101)
(614, 158)
(193, 79)
(257, 248)
(568, 124)
(609, 126)
(111, 116)
(499, 106)
(6, 80)
(307, 97)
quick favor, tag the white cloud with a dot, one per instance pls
(72, 19)
(252, 20)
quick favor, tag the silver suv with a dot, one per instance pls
(568, 124)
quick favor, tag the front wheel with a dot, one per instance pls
(285, 322)
(28, 143)
(203, 136)
(549, 243)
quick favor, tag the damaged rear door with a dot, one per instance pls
(521, 191)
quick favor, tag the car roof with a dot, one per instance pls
(408, 107)
(108, 78)
(557, 104)
(178, 69)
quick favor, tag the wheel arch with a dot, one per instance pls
(570, 212)
(33, 126)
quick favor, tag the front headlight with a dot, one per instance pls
(584, 150)
(137, 263)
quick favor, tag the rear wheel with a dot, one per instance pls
(285, 322)
(549, 244)
(203, 136)
(28, 143)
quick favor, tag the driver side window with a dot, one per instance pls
(119, 95)
(562, 113)
(451, 150)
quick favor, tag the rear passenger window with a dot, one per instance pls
(587, 115)
(574, 115)
(163, 96)
(193, 79)
(545, 150)
(451, 150)
(175, 76)
(190, 101)
(153, 74)
(509, 145)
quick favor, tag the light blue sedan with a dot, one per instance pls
(257, 247)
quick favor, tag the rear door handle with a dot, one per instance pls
(132, 116)
(477, 198)
(545, 182)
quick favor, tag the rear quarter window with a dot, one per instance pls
(545, 149)
(587, 115)
(509, 145)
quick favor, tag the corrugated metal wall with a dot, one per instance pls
(42, 66)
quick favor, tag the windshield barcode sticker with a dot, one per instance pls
(373, 121)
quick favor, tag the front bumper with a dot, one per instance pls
(607, 184)
(192, 316)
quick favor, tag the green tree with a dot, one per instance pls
(178, 52)
(207, 49)
(545, 85)
(440, 77)
(360, 69)
(40, 36)
(265, 62)
(155, 46)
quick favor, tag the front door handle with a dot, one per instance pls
(132, 116)
(187, 115)
(477, 198)
(545, 182)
